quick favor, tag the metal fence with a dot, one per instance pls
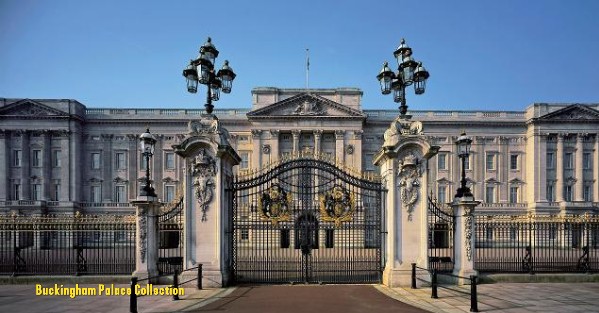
(170, 229)
(537, 243)
(441, 222)
(67, 244)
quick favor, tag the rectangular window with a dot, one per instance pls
(120, 194)
(16, 192)
(490, 194)
(442, 161)
(169, 160)
(56, 195)
(56, 160)
(550, 193)
(36, 190)
(514, 162)
(568, 193)
(169, 193)
(95, 194)
(16, 157)
(120, 161)
(588, 195)
(514, 194)
(36, 160)
(245, 160)
(586, 161)
(329, 238)
(95, 160)
(285, 239)
(550, 160)
(569, 161)
(442, 194)
(490, 161)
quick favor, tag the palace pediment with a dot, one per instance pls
(304, 106)
(30, 108)
(572, 113)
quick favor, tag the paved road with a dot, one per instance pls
(310, 298)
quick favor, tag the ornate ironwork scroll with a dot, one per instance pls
(337, 205)
(274, 205)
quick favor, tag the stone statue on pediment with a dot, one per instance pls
(308, 108)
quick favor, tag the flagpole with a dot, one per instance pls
(307, 68)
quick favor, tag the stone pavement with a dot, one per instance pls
(505, 297)
(500, 297)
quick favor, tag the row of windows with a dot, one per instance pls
(120, 193)
(120, 160)
(490, 161)
(490, 194)
(36, 158)
(587, 161)
(587, 193)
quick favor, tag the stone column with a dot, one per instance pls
(4, 157)
(464, 248)
(503, 168)
(25, 166)
(75, 164)
(357, 155)
(296, 134)
(559, 169)
(147, 239)
(157, 165)
(340, 146)
(540, 162)
(132, 166)
(596, 170)
(478, 166)
(256, 149)
(65, 174)
(317, 137)
(274, 145)
(106, 168)
(579, 171)
(47, 165)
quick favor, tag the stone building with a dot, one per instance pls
(57, 155)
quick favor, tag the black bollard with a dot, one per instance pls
(199, 276)
(133, 296)
(434, 287)
(473, 295)
(176, 285)
(413, 275)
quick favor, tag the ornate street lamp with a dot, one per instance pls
(201, 70)
(148, 141)
(409, 72)
(463, 144)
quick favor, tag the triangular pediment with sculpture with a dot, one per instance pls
(30, 108)
(306, 105)
(571, 113)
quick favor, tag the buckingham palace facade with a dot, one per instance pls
(58, 155)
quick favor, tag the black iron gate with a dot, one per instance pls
(440, 236)
(306, 220)
(170, 230)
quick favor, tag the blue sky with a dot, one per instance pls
(491, 55)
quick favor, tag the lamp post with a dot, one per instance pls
(463, 144)
(148, 141)
(201, 70)
(409, 72)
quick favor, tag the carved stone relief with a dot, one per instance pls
(409, 175)
(203, 170)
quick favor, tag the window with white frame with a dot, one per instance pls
(514, 162)
(17, 156)
(169, 193)
(442, 193)
(245, 160)
(514, 191)
(56, 160)
(568, 193)
(588, 193)
(169, 160)
(16, 191)
(56, 193)
(442, 161)
(95, 194)
(36, 190)
(120, 194)
(120, 161)
(569, 161)
(95, 160)
(550, 160)
(36, 158)
(586, 161)
(490, 194)
(490, 161)
(550, 192)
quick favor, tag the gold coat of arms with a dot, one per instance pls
(274, 205)
(337, 205)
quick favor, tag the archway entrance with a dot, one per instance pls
(307, 220)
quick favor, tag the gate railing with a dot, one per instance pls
(530, 243)
(67, 244)
(170, 230)
(440, 236)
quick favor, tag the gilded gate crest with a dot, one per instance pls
(337, 205)
(274, 205)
